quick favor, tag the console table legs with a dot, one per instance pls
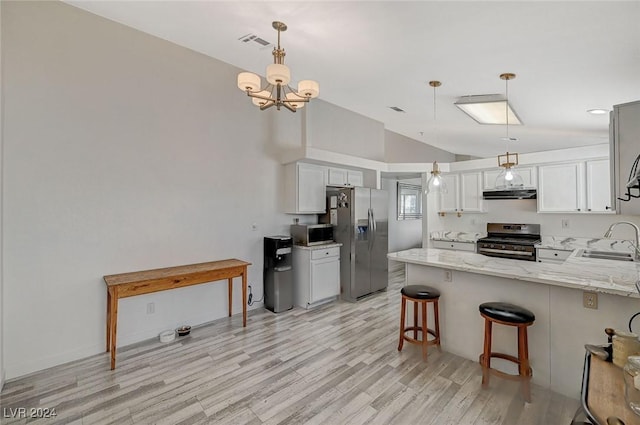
(112, 323)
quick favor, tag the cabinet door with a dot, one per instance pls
(598, 186)
(311, 188)
(325, 279)
(337, 176)
(561, 187)
(471, 192)
(355, 178)
(449, 200)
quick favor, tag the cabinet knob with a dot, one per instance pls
(556, 254)
(607, 207)
(578, 209)
(588, 209)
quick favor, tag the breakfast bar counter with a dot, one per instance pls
(553, 292)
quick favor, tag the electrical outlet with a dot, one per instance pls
(151, 308)
(565, 223)
(447, 275)
(590, 300)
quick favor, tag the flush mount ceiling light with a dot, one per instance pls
(598, 111)
(277, 91)
(487, 109)
(508, 178)
(436, 183)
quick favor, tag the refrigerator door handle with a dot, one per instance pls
(371, 228)
(373, 222)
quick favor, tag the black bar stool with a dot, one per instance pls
(509, 315)
(420, 295)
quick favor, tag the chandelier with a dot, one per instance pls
(508, 178)
(436, 183)
(277, 91)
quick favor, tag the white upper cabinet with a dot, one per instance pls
(344, 177)
(337, 176)
(561, 187)
(577, 187)
(449, 200)
(464, 193)
(528, 176)
(305, 188)
(471, 192)
(598, 186)
(355, 178)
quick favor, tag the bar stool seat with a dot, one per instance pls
(509, 315)
(420, 295)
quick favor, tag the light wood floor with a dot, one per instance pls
(336, 364)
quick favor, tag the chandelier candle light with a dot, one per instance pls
(277, 91)
(436, 183)
(508, 178)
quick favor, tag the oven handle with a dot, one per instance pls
(506, 251)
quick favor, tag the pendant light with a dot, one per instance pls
(436, 183)
(509, 177)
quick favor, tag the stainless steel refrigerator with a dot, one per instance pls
(360, 216)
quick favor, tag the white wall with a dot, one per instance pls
(122, 152)
(399, 148)
(336, 129)
(403, 234)
(2, 375)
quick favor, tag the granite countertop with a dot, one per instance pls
(570, 243)
(323, 246)
(451, 236)
(607, 276)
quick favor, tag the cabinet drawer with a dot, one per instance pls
(317, 254)
(553, 254)
(458, 246)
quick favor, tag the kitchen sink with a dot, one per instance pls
(606, 255)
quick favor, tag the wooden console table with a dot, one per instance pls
(148, 281)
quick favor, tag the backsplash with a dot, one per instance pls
(524, 211)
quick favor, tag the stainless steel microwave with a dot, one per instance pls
(312, 234)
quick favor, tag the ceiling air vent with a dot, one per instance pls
(395, 108)
(252, 38)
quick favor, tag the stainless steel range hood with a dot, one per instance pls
(512, 193)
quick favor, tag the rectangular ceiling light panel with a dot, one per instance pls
(488, 109)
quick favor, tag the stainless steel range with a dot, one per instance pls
(509, 240)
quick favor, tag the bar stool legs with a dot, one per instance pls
(509, 315)
(421, 296)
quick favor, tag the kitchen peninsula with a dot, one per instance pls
(554, 292)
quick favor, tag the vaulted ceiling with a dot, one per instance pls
(368, 56)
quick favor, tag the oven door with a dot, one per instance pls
(517, 252)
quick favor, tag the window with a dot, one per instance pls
(409, 201)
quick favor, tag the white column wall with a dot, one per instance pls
(122, 152)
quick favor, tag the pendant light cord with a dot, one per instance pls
(506, 114)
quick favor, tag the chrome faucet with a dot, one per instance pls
(636, 246)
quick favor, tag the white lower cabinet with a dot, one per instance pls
(458, 246)
(316, 275)
(548, 255)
